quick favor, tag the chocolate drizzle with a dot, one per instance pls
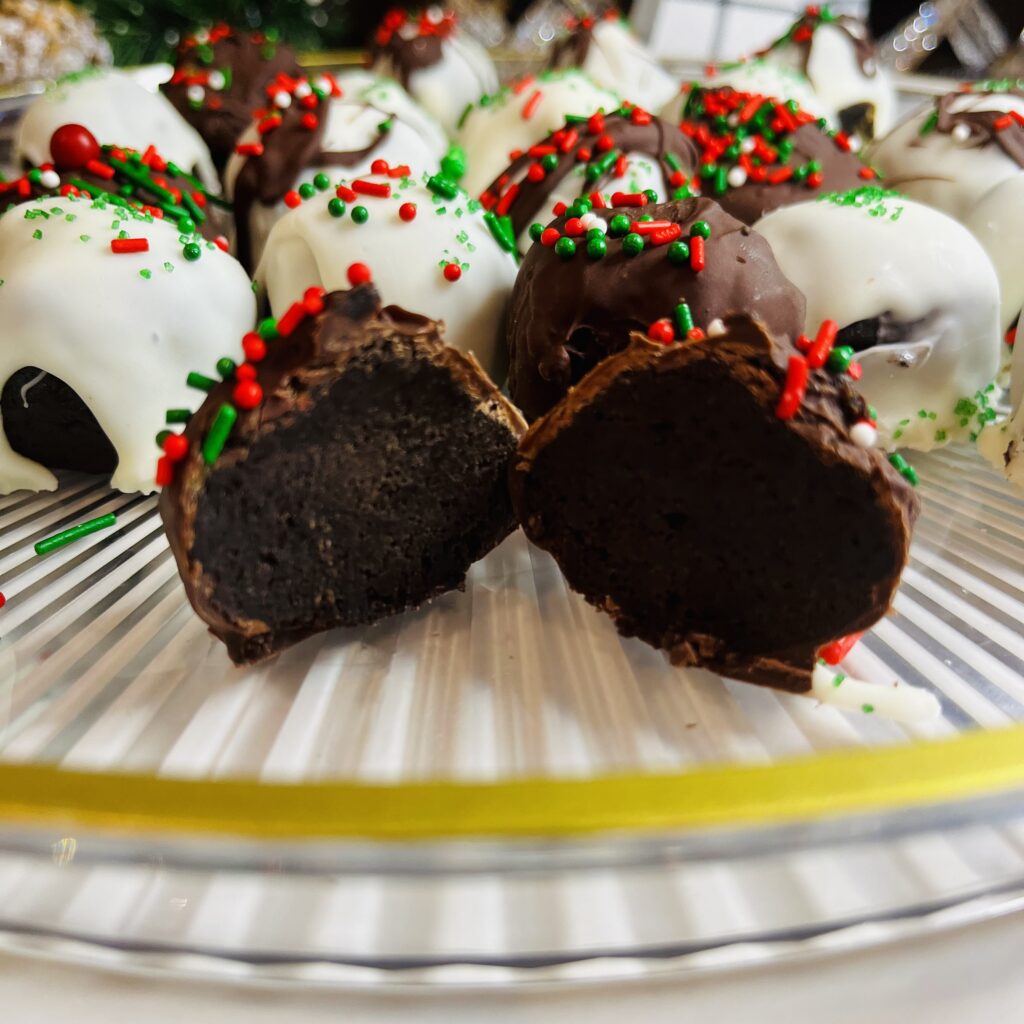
(801, 34)
(985, 126)
(409, 46)
(627, 134)
(248, 62)
(567, 315)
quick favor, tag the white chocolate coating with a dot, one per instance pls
(997, 221)
(918, 265)
(123, 342)
(387, 95)
(835, 74)
(759, 76)
(464, 74)
(350, 127)
(310, 247)
(938, 169)
(117, 110)
(513, 120)
(618, 61)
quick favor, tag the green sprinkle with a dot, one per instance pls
(652, 196)
(679, 253)
(360, 214)
(145, 274)
(904, 468)
(618, 225)
(700, 227)
(307, 190)
(178, 415)
(58, 540)
(267, 329)
(162, 436)
(867, 708)
(500, 230)
(840, 358)
(37, 234)
(217, 437)
(442, 187)
(673, 161)
(580, 208)
(838, 679)
(225, 367)
(536, 230)
(200, 382)
(597, 247)
(929, 124)
(321, 182)
(721, 182)
(565, 248)
(549, 162)
(84, 238)
(600, 166)
(169, 267)
(684, 319)
(336, 207)
(683, 192)
(192, 252)
(633, 244)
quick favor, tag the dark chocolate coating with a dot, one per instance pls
(371, 477)
(853, 28)
(52, 425)
(673, 498)
(565, 316)
(407, 54)
(656, 139)
(225, 114)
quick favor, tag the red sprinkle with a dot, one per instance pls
(359, 273)
(246, 371)
(803, 343)
(697, 262)
(175, 447)
(247, 394)
(569, 139)
(640, 116)
(381, 189)
(794, 388)
(549, 236)
(663, 331)
(819, 352)
(814, 180)
(597, 201)
(292, 199)
(666, 235)
(126, 245)
(629, 199)
(313, 300)
(343, 192)
(867, 173)
(559, 208)
(309, 121)
(506, 201)
(535, 173)
(293, 316)
(648, 227)
(380, 167)
(249, 149)
(604, 143)
(220, 241)
(254, 347)
(402, 171)
(407, 211)
(855, 371)
(834, 652)
(101, 170)
(452, 272)
(164, 471)
(530, 107)
(574, 227)
(595, 123)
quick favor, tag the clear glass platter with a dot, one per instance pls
(497, 785)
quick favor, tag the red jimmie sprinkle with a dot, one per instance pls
(359, 273)
(126, 245)
(648, 227)
(506, 201)
(697, 260)
(666, 235)
(818, 353)
(629, 199)
(164, 471)
(834, 652)
(401, 171)
(343, 192)
(597, 201)
(220, 241)
(804, 343)
(293, 316)
(101, 170)
(381, 189)
(569, 139)
(313, 300)
(855, 371)
(794, 388)
(530, 106)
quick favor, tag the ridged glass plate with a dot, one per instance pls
(498, 781)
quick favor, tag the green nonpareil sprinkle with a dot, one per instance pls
(58, 540)
(217, 437)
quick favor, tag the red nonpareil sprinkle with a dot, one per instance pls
(640, 116)
(164, 471)
(677, 178)
(666, 235)
(1000, 123)
(697, 256)
(648, 227)
(254, 347)
(530, 106)
(574, 227)
(695, 334)
(199, 199)
(604, 143)
(309, 102)
(247, 394)
(380, 167)
(175, 447)
(401, 171)
(506, 201)
(549, 236)
(535, 173)
(380, 189)
(292, 199)
(583, 154)
(359, 273)
(245, 371)
(487, 200)
(452, 272)
(101, 170)
(794, 388)
(663, 331)
(842, 140)
(629, 199)
(867, 173)
(818, 353)
(313, 300)
(309, 121)
(407, 211)
(834, 652)
(343, 192)
(595, 123)
(293, 316)
(128, 245)
(221, 242)
(154, 211)
(3, 600)
(815, 180)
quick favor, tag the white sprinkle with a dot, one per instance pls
(202, 36)
(282, 100)
(49, 179)
(196, 93)
(716, 328)
(216, 80)
(591, 221)
(961, 133)
(863, 435)
(302, 90)
(855, 143)
(323, 84)
(736, 177)
(733, 119)
(748, 145)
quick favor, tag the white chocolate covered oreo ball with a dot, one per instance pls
(954, 150)
(307, 137)
(607, 50)
(509, 122)
(916, 301)
(431, 250)
(119, 306)
(116, 109)
(444, 69)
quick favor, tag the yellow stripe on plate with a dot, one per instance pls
(972, 765)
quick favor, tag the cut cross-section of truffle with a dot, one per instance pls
(364, 472)
(717, 507)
